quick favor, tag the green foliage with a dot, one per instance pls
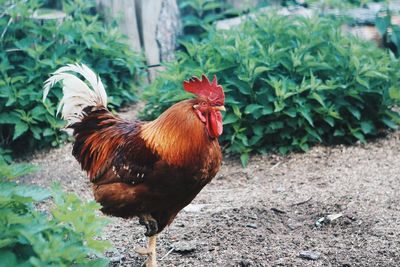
(332, 3)
(389, 31)
(65, 237)
(290, 82)
(199, 15)
(11, 171)
(31, 48)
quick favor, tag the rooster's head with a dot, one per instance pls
(209, 102)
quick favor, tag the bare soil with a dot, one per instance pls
(270, 212)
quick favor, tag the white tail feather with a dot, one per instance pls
(76, 94)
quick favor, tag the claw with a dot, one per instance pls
(150, 252)
(143, 251)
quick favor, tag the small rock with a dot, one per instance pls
(320, 221)
(294, 226)
(309, 255)
(184, 247)
(251, 225)
(253, 217)
(328, 219)
(117, 258)
(279, 189)
(194, 208)
(244, 263)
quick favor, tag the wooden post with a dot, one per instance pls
(151, 25)
(125, 10)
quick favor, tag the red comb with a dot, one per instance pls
(212, 91)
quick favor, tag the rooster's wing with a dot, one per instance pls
(110, 149)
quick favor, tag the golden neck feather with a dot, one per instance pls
(178, 135)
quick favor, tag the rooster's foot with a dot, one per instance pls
(150, 252)
(143, 251)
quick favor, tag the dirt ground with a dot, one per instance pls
(271, 212)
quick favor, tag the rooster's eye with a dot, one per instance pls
(203, 104)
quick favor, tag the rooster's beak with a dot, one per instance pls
(220, 108)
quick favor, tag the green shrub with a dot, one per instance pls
(28, 237)
(332, 3)
(290, 82)
(198, 16)
(389, 31)
(30, 49)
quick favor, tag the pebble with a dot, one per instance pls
(194, 208)
(294, 225)
(251, 225)
(184, 247)
(309, 255)
(117, 258)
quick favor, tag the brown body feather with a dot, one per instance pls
(139, 168)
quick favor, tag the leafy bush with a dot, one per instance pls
(199, 15)
(28, 237)
(30, 49)
(332, 3)
(389, 31)
(290, 82)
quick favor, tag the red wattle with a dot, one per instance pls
(214, 125)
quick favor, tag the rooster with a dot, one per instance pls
(153, 169)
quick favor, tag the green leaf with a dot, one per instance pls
(389, 123)
(362, 81)
(11, 171)
(318, 98)
(9, 118)
(268, 109)
(244, 158)
(283, 150)
(7, 258)
(34, 192)
(394, 93)
(229, 119)
(339, 132)
(20, 128)
(236, 111)
(259, 70)
(306, 114)
(251, 108)
(359, 136)
(367, 127)
(330, 121)
(354, 111)
(291, 112)
(48, 132)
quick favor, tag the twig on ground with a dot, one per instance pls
(166, 254)
(276, 165)
(301, 202)
(278, 210)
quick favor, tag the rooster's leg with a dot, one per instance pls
(150, 251)
(152, 260)
(151, 231)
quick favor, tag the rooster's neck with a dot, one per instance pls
(178, 135)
